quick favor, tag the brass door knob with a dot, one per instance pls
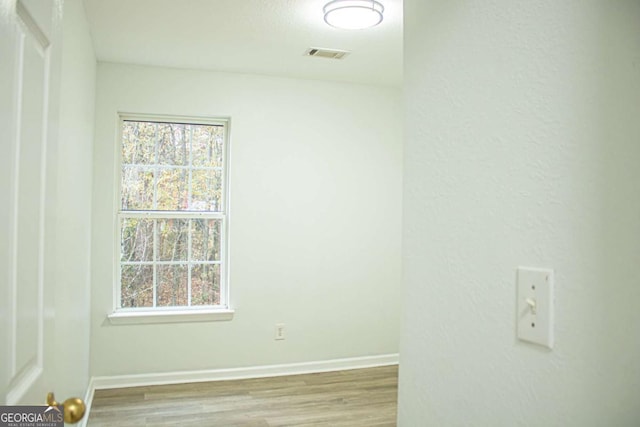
(74, 408)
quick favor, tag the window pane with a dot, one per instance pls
(137, 286)
(138, 143)
(172, 285)
(173, 239)
(206, 190)
(205, 284)
(172, 189)
(207, 146)
(205, 239)
(169, 168)
(137, 188)
(136, 238)
(173, 144)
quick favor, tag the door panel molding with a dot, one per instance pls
(28, 197)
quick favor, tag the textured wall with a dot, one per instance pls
(522, 148)
(316, 187)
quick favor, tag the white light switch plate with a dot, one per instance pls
(535, 305)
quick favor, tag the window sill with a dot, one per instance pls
(124, 317)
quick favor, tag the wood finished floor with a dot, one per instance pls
(355, 398)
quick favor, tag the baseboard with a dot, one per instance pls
(88, 401)
(120, 381)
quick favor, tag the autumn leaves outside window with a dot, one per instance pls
(172, 216)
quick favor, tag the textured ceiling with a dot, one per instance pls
(247, 36)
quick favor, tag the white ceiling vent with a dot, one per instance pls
(326, 53)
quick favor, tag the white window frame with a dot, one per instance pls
(129, 315)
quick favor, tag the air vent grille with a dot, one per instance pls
(326, 53)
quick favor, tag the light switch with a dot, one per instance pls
(535, 305)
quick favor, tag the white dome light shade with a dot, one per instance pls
(353, 14)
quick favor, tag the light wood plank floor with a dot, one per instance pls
(355, 398)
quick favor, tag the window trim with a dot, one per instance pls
(170, 315)
(145, 315)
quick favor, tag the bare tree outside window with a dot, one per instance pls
(172, 214)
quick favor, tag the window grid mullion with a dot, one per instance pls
(156, 172)
(171, 262)
(223, 256)
(223, 198)
(194, 262)
(190, 221)
(222, 280)
(189, 256)
(171, 214)
(190, 169)
(156, 154)
(155, 262)
(198, 168)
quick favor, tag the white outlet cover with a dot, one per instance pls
(535, 325)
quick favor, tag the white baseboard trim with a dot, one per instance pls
(88, 401)
(120, 381)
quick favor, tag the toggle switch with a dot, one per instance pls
(535, 305)
(532, 305)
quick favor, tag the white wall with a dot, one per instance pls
(522, 148)
(315, 220)
(73, 200)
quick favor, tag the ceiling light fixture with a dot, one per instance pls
(353, 14)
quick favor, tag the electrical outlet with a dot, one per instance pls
(279, 331)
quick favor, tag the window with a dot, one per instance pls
(172, 215)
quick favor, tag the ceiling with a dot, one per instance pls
(246, 36)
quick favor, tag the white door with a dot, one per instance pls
(28, 59)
